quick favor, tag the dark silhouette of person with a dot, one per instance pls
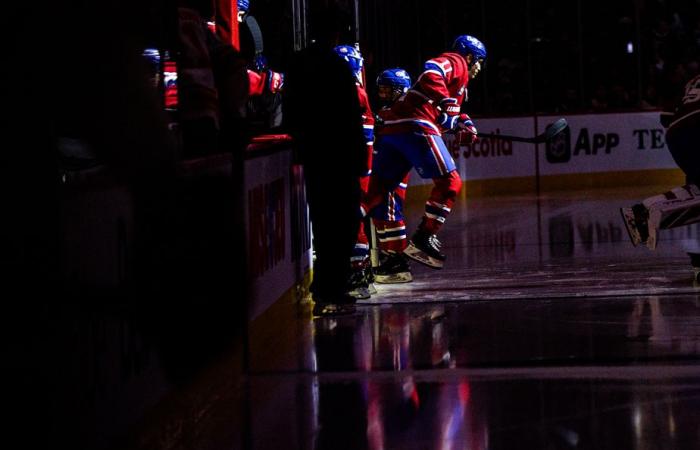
(322, 113)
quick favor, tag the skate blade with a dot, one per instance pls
(333, 309)
(360, 293)
(630, 226)
(401, 277)
(418, 255)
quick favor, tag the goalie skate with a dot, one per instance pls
(636, 221)
(631, 226)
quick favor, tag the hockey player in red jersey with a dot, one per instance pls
(360, 285)
(681, 205)
(411, 137)
(388, 220)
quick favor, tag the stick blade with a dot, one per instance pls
(553, 129)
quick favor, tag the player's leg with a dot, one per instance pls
(432, 159)
(680, 206)
(358, 285)
(334, 235)
(391, 236)
(677, 207)
(387, 192)
(389, 166)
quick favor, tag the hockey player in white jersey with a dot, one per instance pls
(681, 205)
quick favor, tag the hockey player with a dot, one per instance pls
(360, 285)
(261, 79)
(333, 194)
(243, 6)
(681, 205)
(388, 218)
(411, 137)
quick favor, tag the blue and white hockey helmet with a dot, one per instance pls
(469, 45)
(353, 57)
(393, 83)
(152, 55)
(243, 6)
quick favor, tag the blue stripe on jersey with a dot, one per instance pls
(359, 252)
(368, 131)
(433, 66)
(398, 232)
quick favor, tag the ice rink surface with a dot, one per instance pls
(545, 330)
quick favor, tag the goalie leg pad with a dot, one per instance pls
(677, 207)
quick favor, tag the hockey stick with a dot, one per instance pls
(552, 130)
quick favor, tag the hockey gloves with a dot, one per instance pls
(449, 113)
(468, 133)
(450, 118)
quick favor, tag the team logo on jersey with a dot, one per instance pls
(558, 149)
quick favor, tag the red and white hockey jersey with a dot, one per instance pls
(367, 125)
(445, 76)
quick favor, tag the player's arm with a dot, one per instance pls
(437, 73)
(432, 83)
(267, 81)
(367, 116)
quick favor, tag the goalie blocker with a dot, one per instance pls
(677, 207)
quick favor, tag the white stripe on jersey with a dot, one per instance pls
(418, 121)
(445, 67)
(442, 74)
(437, 154)
(433, 216)
(438, 205)
(392, 238)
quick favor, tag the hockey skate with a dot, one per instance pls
(358, 286)
(425, 248)
(333, 309)
(333, 305)
(394, 268)
(370, 279)
(635, 219)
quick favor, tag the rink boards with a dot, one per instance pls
(597, 150)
